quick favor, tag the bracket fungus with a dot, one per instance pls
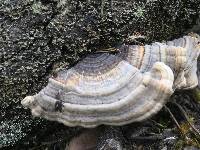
(118, 89)
(180, 55)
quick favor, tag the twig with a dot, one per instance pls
(174, 119)
(112, 49)
(47, 143)
(158, 124)
(111, 5)
(187, 119)
(155, 137)
(102, 7)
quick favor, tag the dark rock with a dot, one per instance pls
(85, 141)
(110, 139)
(38, 36)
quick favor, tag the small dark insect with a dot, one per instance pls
(58, 95)
(58, 106)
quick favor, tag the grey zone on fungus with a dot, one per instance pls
(36, 36)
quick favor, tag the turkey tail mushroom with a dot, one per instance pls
(192, 46)
(180, 55)
(118, 89)
(115, 93)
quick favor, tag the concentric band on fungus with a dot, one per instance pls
(97, 63)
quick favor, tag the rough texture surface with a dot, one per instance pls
(38, 37)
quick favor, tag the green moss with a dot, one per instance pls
(196, 93)
(38, 7)
(140, 12)
(179, 145)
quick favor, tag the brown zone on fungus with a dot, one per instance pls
(72, 81)
(129, 55)
(141, 51)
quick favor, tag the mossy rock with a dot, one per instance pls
(38, 36)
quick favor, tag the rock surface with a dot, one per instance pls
(39, 37)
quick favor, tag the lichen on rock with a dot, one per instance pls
(36, 36)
